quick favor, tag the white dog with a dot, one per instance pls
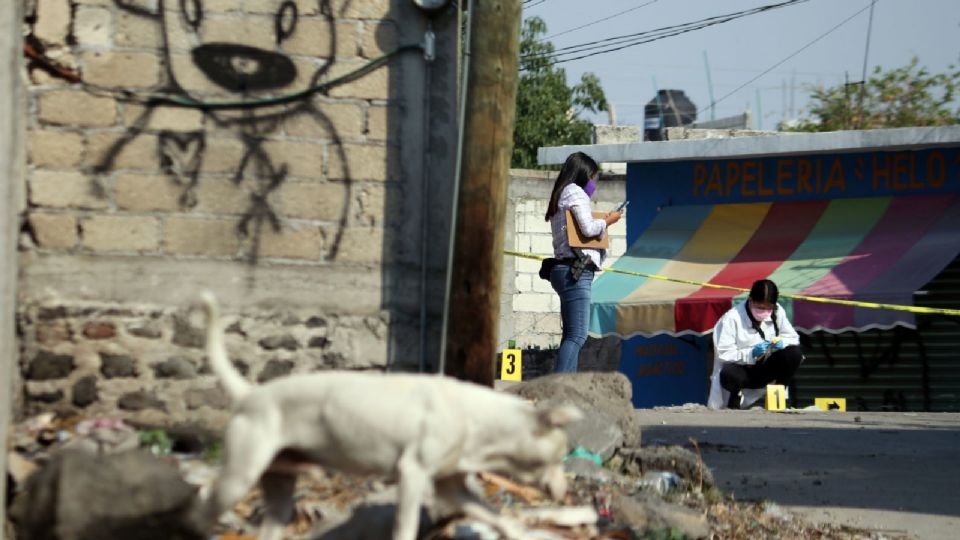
(429, 432)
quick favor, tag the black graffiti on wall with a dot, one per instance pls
(251, 75)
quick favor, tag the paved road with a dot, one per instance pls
(883, 471)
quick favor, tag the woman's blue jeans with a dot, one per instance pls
(574, 314)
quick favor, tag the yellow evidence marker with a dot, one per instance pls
(776, 397)
(511, 362)
(831, 403)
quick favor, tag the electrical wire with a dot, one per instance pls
(600, 20)
(798, 51)
(617, 43)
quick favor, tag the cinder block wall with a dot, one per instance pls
(530, 309)
(301, 216)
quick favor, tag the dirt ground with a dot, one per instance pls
(883, 471)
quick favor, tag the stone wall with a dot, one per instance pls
(530, 309)
(296, 203)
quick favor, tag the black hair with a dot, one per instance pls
(577, 169)
(764, 290)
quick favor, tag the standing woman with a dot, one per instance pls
(754, 345)
(572, 276)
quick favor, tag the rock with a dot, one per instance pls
(678, 460)
(177, 367)
(603, 396)
(145, 329)
(140, 400)
(214, 398)
(274, 369)
(185, 335)
(47, 365)
(285, 341)
(651, 513)
(118, 365)
(78, 496)
(99, 330)
(85, 391)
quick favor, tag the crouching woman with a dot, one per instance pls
(754, 345)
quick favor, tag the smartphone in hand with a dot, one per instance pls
(622, 206)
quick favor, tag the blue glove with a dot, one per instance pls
(779, 345)
(760, 348)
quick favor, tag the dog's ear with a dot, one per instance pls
(560, 415)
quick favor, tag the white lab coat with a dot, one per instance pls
(733, 341)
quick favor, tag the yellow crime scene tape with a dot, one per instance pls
(870, 305)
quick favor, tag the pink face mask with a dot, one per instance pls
(590, 187)
(761, 314)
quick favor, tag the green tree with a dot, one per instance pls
(902, 97)
(547, 109)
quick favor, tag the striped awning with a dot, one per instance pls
(877, 249)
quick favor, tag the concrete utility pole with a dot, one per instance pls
(11, 167)
(473, 299)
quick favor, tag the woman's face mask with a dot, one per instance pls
(590, 187)
(761, 313)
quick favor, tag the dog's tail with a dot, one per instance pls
(236, 386)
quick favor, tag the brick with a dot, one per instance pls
(146, 192)
(137, 151)
(222, 154)
(373, 85)
(122, 69)
(245, 6)
(195, 236)
(366, 162)
(76, 109)
(347, 120)
(136, 31)
(165, 118)
(379, 39)
(111, 233)
(53, 21)
(348, 40)
(361, 245)
(523, 283)
(93, 26)
(222, 196)
(541, 285)
(191, 79)
(303, 159)
(63, 189)
(312, 200)
(370, 205)
(54, 231)
(292, 242)
(55, 149)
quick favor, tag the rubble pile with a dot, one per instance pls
(86, 478)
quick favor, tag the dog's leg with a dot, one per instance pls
(454, 493)
(247, 455)
(278, 490)
(413, 486)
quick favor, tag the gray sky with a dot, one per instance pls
(742, 49)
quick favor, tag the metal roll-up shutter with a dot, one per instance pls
(900, 369)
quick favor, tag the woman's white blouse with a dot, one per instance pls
(734, 336)
(574, 198)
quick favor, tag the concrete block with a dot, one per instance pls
(63, 189)
(536, 303)
(136, 31)
(76, 108)
(54, 231)
(164, 118)
(523, 283)
(299, 241)
(146, 192)
(541, 285)
(347, 120)
(541, 245)
(365, 162)
(138, 152)
(374, 85)
(93, 26)
(369, 9)
(55, 149)
(529, 266)
(379, 39)
(121, 69)
(311, 38)
(222, 196)
(113, 233)
(312, 200)
(303, 159)
(53, 21)
(196, 236)
(361, 245)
